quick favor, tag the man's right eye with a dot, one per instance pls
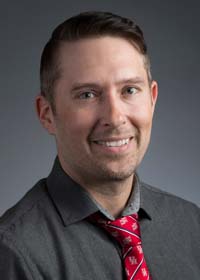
(87, 95)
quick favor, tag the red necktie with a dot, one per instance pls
(126, 231)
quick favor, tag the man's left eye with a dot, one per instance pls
(131, 90)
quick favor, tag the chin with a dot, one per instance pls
(116, 175)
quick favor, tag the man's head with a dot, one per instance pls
(97, 97)
(86, 25)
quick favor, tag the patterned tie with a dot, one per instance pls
(126, 231)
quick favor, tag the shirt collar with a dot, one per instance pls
(149, 201)
(74, 203)
(133, 204)
(71, 200)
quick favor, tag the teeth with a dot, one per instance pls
(114, 143)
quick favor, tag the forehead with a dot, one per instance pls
(100, 58)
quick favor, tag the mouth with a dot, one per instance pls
(114, 142)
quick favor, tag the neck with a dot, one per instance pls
(113, 196)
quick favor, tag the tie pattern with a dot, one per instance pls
(126, 231)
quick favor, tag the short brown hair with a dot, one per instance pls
(86, 25)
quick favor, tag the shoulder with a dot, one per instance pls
(166, 206)
(163, 196)
(20, 228)
(26, 214)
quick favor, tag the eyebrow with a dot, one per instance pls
(78, 86)
(135, 80)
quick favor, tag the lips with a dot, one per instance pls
(116, 143)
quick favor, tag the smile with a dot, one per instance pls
(118, 143)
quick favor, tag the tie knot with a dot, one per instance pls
(125, 229)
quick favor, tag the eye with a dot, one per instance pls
(87, 95)
(131, 90)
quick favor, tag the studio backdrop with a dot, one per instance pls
(171, 29)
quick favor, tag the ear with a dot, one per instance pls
(154, 93)
(45, 113)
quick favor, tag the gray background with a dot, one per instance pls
(172, 32)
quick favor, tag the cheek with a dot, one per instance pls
(78, 122)
(142, 116)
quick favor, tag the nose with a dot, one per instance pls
(112, 111)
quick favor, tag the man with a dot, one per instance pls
(97, 99)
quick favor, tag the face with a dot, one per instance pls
(104, 108)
